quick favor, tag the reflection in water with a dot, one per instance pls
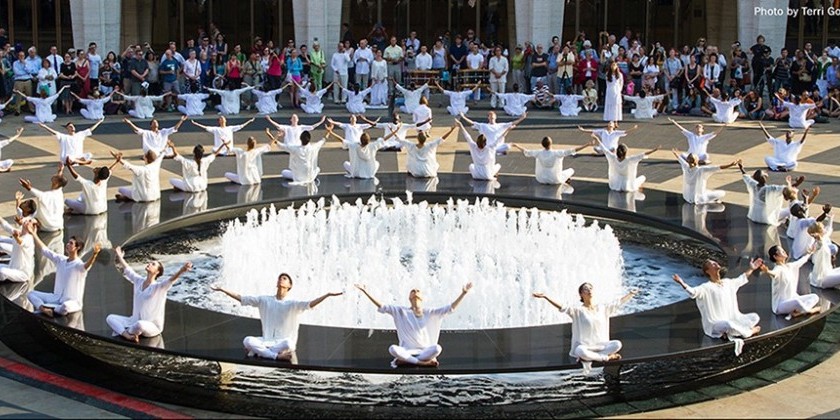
(143, 215)
(421, 184)
(16, 292)
(760, 238)
(74, 320)
(694, 216)
(484, 187)
(193, 202)
(358, 185)
(156, 341)
(301, 190)
(245, 193)
(553, 191)
(625, 200)
(92, 230)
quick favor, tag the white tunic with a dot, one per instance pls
(590, 327)
(388, 128)
(422, 161)
(194, 103)
(612, 100)
(698, 144)
(248, 166)
(765, 202)
(798, 114)
(195, 175)
(144, 106)
(267, 101)
(569, 104)
(50, 214)
(353, 132)
(149, 304)
(223, 134)
(303, 161)
(515, 103)
(549, 165)
(458, 101)
(95, 107)
(785, 278)
(312, 101)
(291, 133)
(416, 333)
(494, 133)
(644, 106)
(156, 141)
(622, 174)
(718, 302)
(356, 101)
(23, 255)
(363, 162)
(43, 108)
(70, 277)
(801, 239)
(694, 182)
(726, 112)
(412, 97)
(73, 146)
(784, 152)
(230, 99)
(484, 159)
(420, 114)
(823, 266)
(608, 138)
(145, 185)
(279, 318)
(95, 196)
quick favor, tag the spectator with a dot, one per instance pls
(68, 77)
(422, 62)
(233, 73)
(317, 65)
(565, 70)
(153, 79)
(781, 71)
(139, 71)
(498, 66)
(47, 78)
(363, 57)
(457, 54)
(168, 71)
(95, 63)
(539, 67)
(394, 55)
(338, 63)
(221, 46)
(412, 42)
(346, 34)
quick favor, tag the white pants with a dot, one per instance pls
(120, 324)
(710, 196)
(36, 120)
(39, 299)
(267, 349)
(91, 115)
(800, 304)
(234, 177)
(456, 111)
(832, 279)
(312, 109)
(77, 206)
(776, 164)
(415, 356)
(139, 115)
(597, 353)
(484, 172)
(183, 109)
(736, 329)
(338, 94)
(12, 274)
(497, 87)
(502, 148)
(181, 185)
(5, 165)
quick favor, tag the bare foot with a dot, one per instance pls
(7, 170)
(614, 357)
(120, 198)
(428, 363)
(815, 310)
(285, 356)
(130, 337)
(47, 312)
(756, 330)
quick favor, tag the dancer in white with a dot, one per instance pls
(396, 142)
(695, 178)
(70, 276)
(802, 241)
(148, 309)
(292, 131)
(6, 165)
(155, 138)
(623, 169)
(352, 131)
(279, 319)
(493, 131)
(145, 183)
(418, 328)
(785, 151)
(5, 104)
(516, 104)
(50, 214)
(311, 98)
(303, 158)
(412, 96)
(483, 154)
(549, 163)
(21, 265)
(798, 112)
(457, 100)
(249, 163)
(355, 99)
(223, 133)
(230, 99)
(612, 96)
(194, 170)
(362, 163)
(422, 157)
(43, 106)
(569, 103)
(144, 105)
(698, 141)
(267, 100)
(608, 136)
(94, 197)
(766, 200)
(792, 196)
(644, 105)
(72, 144)
(824, 274)
(591, 326)
(785, 283)
(94, 106)
(717, 300)
(422, 113)
(726, 110)
(193, 104)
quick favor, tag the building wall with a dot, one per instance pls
(97, 21)
(538, 20)
(319, 19)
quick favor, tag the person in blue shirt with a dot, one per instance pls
(23, 80)
(168, 71)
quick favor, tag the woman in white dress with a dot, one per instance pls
(623, 169)
(94, 105)
(612, 96)
(608, 136)
(766, 200)
(379, 82)
(591, 326)
(362, 163)
(483, 154)
(43, 106)
(785, 277)
(549, 169)
(194, 170)
(422, 157)
(193, 104)
(457, 100)
(144, 105)
(355, 99)
(267, 100)
(249, 163)
(696, 176)
(145, 183)
(312, 98)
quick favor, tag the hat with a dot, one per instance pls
(71, 51)
(590, 84)
(587, 43)
(314, 43)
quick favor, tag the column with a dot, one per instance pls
(539, 20)
(318, 19)
(751, 24)
(96, 21)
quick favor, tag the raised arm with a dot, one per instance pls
(630, 295)
(677, 124)
(464, 291)
(365, 119)
(184, 268)
(471, 122)
(518, 147)
(764, 129)
(733, 163)
(172, 146)
(247, 122)
(46, 127)
(372, 299)
(331, 133)
(180, 122)
(633, 128)
(97, 248)
(96, 124)
(805, 134)
(317, 301)
(201, 126)
(652, 151)
(548, 299)
(271, 136)
(522, 118)
(585, 145)
(132, 125)
(274, 123)
(69, 164)
(448, 133)
(585, 130)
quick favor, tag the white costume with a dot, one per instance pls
(43, 109)
(395, 142)
(569, 104)
(412, 97)
(353, 132)
(765, 202)
(418, 335)
(591, 333)
(5, 164)
(420, 114)
(694, 184)
(484, 166)
(73, 146)
(144, 106)
(145, 184)
(363, 163)
(379, 83)
(494, 133)
(609, 139)
(458, 101)
(291, 133)
(50, 214)
(157, 141)
(148, 309)
(644, 106)
(422, 161)
(515, 103)
(21, 265)
(303, 162)
(279, 319)
(267, 101)
(824, 275)
(784, 154)
(195, 175)
(726, 112)
(549, 165)
(612, 99)
(801, 239)
(785, 279)
(193, 103)
(312, 101)
(697, 145)
(622, 174)
(356, 101)
(94, 108)
(68, 292)
(248, 166)
(719, 311)
(222, 135)
(93, 200)
(798, 113)
(230, 99)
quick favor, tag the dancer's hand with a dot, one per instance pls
(335, 293)
(827, 208)
(467, 287)
(361, 287)
(756, 263)
(538, 295)
(119, 253)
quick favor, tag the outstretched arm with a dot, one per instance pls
(733, 163)
(233, 295)
(131, 124)
(97, 248)
(677, 124)
(180, 122)
(522, 118)
(247, 122)
(585, 145)
(633, 128)
(548, 299)
(274, 123)
(96, 124)
(184, 268)
(323, 118)
(464, 291)
(365, 119)
(518, 147)
(364, 290)
(585, 130)
(471, 122)
(720, 130)
(448, 133)
(805, 134)
(331, 133)
(15, 136)
(46, 127)
(201, 126)
(317, 301)
(652, 151)
(764, 129)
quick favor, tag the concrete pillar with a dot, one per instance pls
(751, 24)
(318, 19)
(721, 25)
(96, 21)
(539, 20)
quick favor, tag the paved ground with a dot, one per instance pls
(35, 159)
